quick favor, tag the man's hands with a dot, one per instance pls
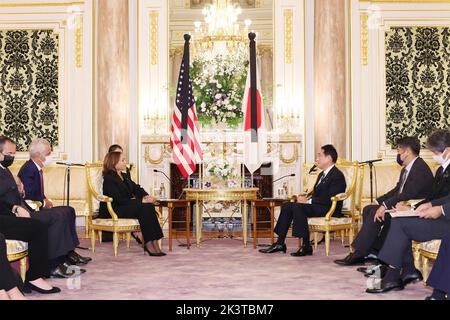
(431, 213)
(424, 207)
(302, 199)
(21, 212)
(148, 199)
(48, 204)
(379, 216)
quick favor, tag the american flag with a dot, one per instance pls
(185, 139)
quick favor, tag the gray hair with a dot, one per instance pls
(439, 141)
(37, 147)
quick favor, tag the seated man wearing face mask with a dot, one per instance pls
(12, 203)
(32, 176)
(415, 182)
(433, 223)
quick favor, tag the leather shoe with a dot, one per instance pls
(77, 260)
(274, 248)
(414, 277)
(66, 270)
(387, 286)
(377, 270)
(303, 252)
(351, 260)
(30, 287)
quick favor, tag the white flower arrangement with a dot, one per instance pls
(221, 168)
(218, 82)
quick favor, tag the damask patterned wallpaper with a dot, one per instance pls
(29, 85)
(417, 81)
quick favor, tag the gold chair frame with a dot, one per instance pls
(22, 256)
(116, 228)
(328, 227)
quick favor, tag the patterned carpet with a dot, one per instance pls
(220, 269)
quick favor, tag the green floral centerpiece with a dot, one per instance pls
(218, 82)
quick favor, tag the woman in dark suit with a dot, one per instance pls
(130, 201)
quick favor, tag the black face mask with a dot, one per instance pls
(7, 161)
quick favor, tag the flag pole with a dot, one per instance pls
(253, 87)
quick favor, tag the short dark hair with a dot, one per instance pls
(412, 143)
(330, 150)
(439, 140)
(3, 140)
(114, 147)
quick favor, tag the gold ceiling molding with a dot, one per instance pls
(364, 39)
(42, 4)
(154, 37)
(288, 35)
(79, 41)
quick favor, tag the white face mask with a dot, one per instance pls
(441, 159)
(48, 161)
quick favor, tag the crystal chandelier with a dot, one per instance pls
(221, 32)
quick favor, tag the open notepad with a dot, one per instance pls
(403, 214)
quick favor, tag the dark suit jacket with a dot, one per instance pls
(332, 185)
(126, 194)
(440, 190)
(418, 185)
(9, 193)
(31, 179)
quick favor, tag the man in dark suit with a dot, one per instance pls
(32, 176)
(12, 203)
(433, 223)
(415, 182)
(331, 182)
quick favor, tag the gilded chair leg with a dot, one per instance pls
(342, 236)
(327, 243)
(100, 233)
(316, 238)
(416, 254)
(350, 239)
(116, 243)
(93, 240)
(425, 269)
(23, 268)
(128, 240)
(86, 227)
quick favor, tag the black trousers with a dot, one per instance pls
(146, 214)
(71, 220)
(61, 229)
(372, 235)
(36, 234)
(397, 249)
(297, 214)
(440, 274)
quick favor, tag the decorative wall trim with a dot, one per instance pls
(154, 37)
(79, 41)
(289, 36)
(364, 39)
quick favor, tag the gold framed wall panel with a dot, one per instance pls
(369, 100)
(72, 20)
